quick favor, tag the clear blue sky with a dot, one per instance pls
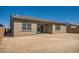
(54, 13)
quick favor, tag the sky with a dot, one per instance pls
(68, 14)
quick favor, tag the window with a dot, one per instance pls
(57, 27)
(50, 27)
(73, 26)
(26, 26)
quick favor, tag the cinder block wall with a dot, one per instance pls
(18, 29)
(72, 30)
(63, 29)
(1, 33)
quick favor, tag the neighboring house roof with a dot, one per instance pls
(69, 24)
(1, 25)
(36, 19)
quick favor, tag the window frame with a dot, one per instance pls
(27, 27)
(58, 27)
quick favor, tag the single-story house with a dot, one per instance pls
(70, 28)
(21, 25)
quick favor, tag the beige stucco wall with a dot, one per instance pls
(63, 29)
(18, 29)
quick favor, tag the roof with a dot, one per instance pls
(36, 19)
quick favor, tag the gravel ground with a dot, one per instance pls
(42, 43)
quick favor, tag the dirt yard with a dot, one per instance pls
(42, 43)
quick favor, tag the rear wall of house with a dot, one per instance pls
(18, 29)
